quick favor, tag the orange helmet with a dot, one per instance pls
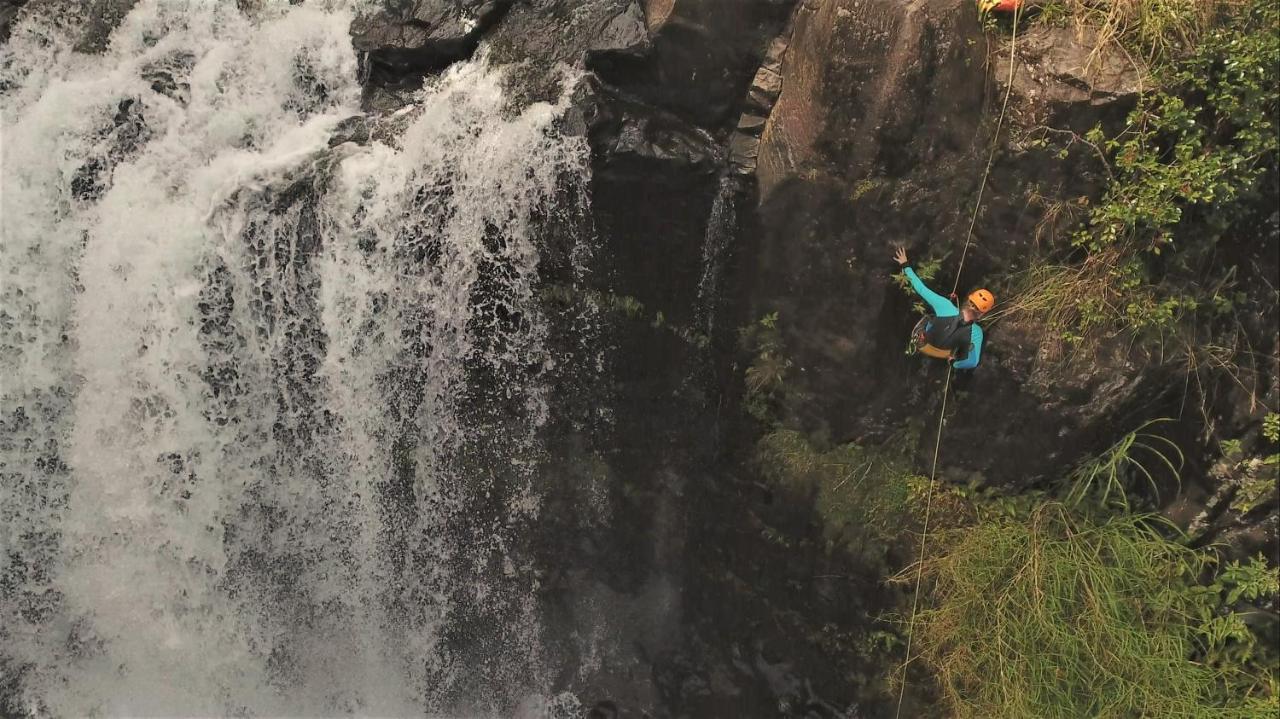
(986, 6)
(983, 300)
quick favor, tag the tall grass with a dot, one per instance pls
(1070, 300)
(1151, 32)
(1109, 478)
(1055, 617)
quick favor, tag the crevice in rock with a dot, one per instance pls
(757, 106)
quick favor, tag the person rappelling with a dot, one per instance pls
(951, 332)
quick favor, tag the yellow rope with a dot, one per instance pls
(946, 390)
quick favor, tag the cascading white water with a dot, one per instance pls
(269, 407)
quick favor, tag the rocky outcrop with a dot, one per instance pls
(744, 145)
(407, 39)
(104, 17)
(1061, 77)
(872, 141)
(880, 136)
(700, 57)
(874, 89)
(8, 11)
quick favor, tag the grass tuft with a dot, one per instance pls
(1052, 616)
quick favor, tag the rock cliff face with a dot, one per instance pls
(880, 137)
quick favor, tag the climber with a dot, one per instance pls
(986, 6)
(950, 333)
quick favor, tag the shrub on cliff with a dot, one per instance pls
(1052, 615)
(1188, 178)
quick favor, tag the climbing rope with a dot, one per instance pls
(991, 156)
(946, 389)
(924, 534)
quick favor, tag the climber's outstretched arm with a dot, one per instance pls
(942, 307)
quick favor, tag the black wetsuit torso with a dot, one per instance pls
(950, 333)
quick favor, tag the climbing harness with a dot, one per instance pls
(946, 389)
(939, 336)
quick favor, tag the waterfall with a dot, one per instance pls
(717, 246)
(271, 401)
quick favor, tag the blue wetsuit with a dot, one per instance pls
(942, 307)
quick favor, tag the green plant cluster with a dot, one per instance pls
(765, 376)
(1108, 479)
(861, 493)
(1200, 144)
(1256, 475)
(1066, 602)
(927, 270)
(624, 306)
(1198, 151)
(1051, 614)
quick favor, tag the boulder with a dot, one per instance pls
(700, 58)
(547, 32)
(406, 39)
(8, 11)
(104, 16)
(539, 38)
(354, 129)
(1061, 77)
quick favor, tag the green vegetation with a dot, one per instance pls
(927, 270)
(624, 306)
(1069, 604)
(1058, 603)
(861, 493)
(1052, 615)
(1151, 31)
(1255, 477)
(1107, 480)
(769, 365)
(1196, 154)
(1071, 601)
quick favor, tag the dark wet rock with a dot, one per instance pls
(620, 128)
(128, 132)
(104, 16)
(700, 57)
(8, 11)
(407, 39)
(540, 38)
(879, 136)
(1061, 77)
(354, 129)
(645, 158)
(169, 77)
(547, 32)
